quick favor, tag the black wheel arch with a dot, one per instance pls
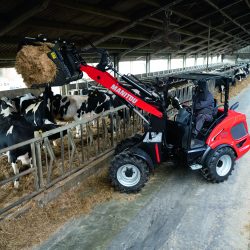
(143, 155)
(210, 150)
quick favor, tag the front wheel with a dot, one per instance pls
(219, 165)
(128, 173)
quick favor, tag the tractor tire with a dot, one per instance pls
(219, 165)
(127, 143)
(128, 173)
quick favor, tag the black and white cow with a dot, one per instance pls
(36, 110)
(21, 100)
(75, 107)
(68, 108)
(15, 128)
(240, 74)
(102, 100)
(246, 68)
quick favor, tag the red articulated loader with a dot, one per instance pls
(213, 152)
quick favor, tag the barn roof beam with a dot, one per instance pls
(152, 3)
(140, 45)
(64, 26)
(216, 41)
(9, 40)
(247, 3)
(185, 41)
(190, 47)
(204, 24)
(132, 36)
(124, 28)
(217, 51)
(157, 20)
(199, 35)
(156, 25)
(179, 29)
(238, 28)
(237, 18)
(15, 39)
(212, 46)
(7, 56)
(153, 25)
(227, 16)
(211, 13)
(213, 52)
(29, 10)
(92, 10)
(218, 26)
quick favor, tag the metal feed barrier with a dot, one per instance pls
(51, 164)
(170, 72)
(99, 135)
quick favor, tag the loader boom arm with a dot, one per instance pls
(111, 83)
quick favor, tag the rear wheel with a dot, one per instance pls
(219, 165)
(127, 143)
(128, 173)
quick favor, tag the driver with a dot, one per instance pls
(203, 106)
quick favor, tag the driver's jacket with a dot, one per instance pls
(204, 104)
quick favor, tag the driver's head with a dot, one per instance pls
(202, 89)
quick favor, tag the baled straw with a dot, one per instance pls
(33, 63)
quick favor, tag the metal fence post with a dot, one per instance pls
(39, 159)
(33, 153)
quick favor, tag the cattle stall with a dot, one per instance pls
(51, 164)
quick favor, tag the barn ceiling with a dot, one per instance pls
(129, 28)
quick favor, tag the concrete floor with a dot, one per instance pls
(177, 209)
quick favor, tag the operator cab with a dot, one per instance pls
(184, 121)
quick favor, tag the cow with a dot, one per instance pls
(246, 69)
(14, 128)
(68, 108)
(240, 74)
(75, 107)
(102, 100)
(20, 100)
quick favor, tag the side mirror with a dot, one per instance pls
(234, 106)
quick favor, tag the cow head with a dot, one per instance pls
(7, 107)
(82, 110)
(96, 98)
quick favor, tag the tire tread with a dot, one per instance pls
(208, 171)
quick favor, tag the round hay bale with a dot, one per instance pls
(33, 63)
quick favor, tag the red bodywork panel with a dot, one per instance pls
(221, 134)
(111, 83)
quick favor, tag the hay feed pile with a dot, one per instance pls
(33, 63)
(39, 223)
